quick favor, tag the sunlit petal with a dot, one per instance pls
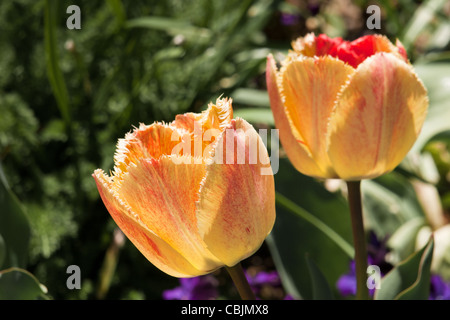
(163, 193)
(310, 87)
(236, 208)
(297, 151)
(377, 118)
(156, 250)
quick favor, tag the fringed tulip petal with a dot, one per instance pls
(354, 107)
(296, 150)
(151, 141)
(205, 127)
(352, 53)
(165, 187)
(156, 250)
(163, 193)
(377, 119)
(236, 209)
(310, 87)
(217, 116)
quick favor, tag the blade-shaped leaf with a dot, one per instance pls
(421, 18)
(251, 97)
(320, 287)
(389, 201)
(410, 280)
(436, 77)
(2, 250)
(306, 230)
(55, 75)
(14, 227)
(170, 25)
(256, 115)
(403, 241)
(19, 284)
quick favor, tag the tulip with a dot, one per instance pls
(348, 110)
(190, 214)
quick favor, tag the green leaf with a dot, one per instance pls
(313, 220)
(388, 202)
(436, 78)
(307, 231)
(409, 280)
(170, 25)
(14, 227)
(403, 241)
(54, 73)
(256, 115)
(2, 250)
(320, 288)
(19, 284)
(251, 97)
(423, 16)
(119, 11)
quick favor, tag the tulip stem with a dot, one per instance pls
(240, 281)
(359, 239)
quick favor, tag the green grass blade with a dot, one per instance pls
(291, 206)
(54, 73)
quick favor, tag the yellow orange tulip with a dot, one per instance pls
(188, 213)
(348, 110)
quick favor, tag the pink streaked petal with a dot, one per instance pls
(156, 250)
(310, 87)
(295, 148)
(163, 192)
(145, 142)
(236, 209)
(377, 118)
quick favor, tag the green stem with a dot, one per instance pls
(359, 239)
(240, 281)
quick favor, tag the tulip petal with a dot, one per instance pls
(163, 192)
(351, 52)
(157, 251)
(236, 208)
(310, 87)
(205, 127)
(357, 51)
(377, 118)
(297, 152)
(216, 116)
(151, 141)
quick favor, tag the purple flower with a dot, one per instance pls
(314, 7)
(263, 278)
(346, 284)
(289, 19)
(198, 288)
(271, 278)
(439, 290)
(377, 251)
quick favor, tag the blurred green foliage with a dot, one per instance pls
(66, 96)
